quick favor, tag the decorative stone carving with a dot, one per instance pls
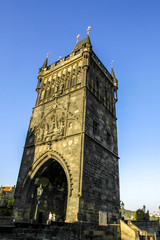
(51, 127)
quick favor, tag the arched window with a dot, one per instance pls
(39, 83)
(69, 83)
(74, 81)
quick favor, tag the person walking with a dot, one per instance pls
(53, 217)
(49, 218)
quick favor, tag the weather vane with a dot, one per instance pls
(112, 63)
(78, 37)
(48, 54)
(88, 30)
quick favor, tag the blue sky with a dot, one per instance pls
(127, 32)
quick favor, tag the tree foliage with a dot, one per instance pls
(140, 215)
(6, 207)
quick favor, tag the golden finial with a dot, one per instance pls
(48, 54)
(112, 63)
(78, 38)
(88, 30)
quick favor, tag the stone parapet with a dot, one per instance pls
(56, 231)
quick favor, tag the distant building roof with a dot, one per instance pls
(7, 188)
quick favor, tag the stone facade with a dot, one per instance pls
(71, 145)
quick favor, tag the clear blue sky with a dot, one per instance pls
(126, 31)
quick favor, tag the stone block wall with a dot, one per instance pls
(100, 190)
(76, 231)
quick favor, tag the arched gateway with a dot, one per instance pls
(51, 174)
(70, 159)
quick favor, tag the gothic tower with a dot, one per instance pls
(70, 159)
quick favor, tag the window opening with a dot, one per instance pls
(69, 84)
(70, 124)
(74, 81)
(108, 137)
(39, 84)
(95, 127)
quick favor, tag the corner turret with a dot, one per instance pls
(45, 64)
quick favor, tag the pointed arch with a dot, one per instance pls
(42, 160)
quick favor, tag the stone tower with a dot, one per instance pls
(70, 159)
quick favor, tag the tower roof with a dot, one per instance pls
(112, 73)
(80, 44)
(45, 63)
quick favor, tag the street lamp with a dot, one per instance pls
(39, 193)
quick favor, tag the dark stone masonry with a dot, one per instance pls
(70, 160)
(59, 231)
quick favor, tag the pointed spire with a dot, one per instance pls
(46, 61)
(112, 71)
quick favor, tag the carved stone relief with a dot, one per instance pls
(52, 126)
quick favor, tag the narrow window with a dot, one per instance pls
(95, 127)
(66, 58)
(69, 83)
(76, 52)
(74, 81)
(56, 63)
(108, 138)
(40, 81)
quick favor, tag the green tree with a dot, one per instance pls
(140, 215)
(6, 207)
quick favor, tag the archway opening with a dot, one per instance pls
(53, 196)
